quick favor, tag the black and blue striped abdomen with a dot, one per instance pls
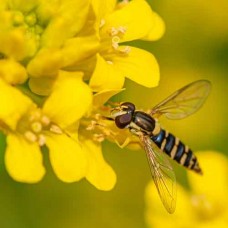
(177, 150)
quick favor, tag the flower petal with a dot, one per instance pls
(105, 76)
(102, 97)
(67, 158)
(41, 86)
(23, 160)
(99, 173)
(23, 5)
(70, 99)
(86, 46)
(13, 104)
(101, 8)
(46, 10)
(16, 41)
(157, 30)
(136, 16)
(11, 40)
(140, 66)
(46, 63)
(68, 21)
(12, 71)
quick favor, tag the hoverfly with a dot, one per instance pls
(157, 142)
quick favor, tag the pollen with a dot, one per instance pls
(115, 42)
(45, 120)
(56, 129)
(125, 50)
(30, 136)
(98, 137)
(99, 129)
(116, 35)
(34, 115)
(41, 140)
(34, 125)
(121, 30)
(91, 126)
(113, 31)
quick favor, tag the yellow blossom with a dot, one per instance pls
(29, 127)
(118, 23)
(33, 33)
(205, 205)
(97, 51)
(73, 153)
(93, 129)
(45, 45)
(43, 37)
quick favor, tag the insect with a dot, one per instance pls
(157, 142)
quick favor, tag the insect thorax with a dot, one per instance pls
(143, 123)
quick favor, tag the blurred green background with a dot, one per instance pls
(195, 46)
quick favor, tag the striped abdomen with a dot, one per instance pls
(176, 150)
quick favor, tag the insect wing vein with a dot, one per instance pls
(184, 101)
(162, 173)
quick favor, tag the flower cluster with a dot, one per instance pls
(60, 62)
(205, 205)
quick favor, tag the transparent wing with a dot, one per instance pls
(184, 101)
(162, 173)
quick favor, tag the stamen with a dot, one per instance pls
(115, 42)
(56, 129)
(125, 50)
(45, 120)
(35, 115)
(98, 137)
(122, 29)
(91, 126)
(115, 39)
(113, 31)
(30, 136)
(41, 140)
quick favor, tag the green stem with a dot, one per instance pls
(39, 100)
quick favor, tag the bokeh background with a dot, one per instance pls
(195, 46)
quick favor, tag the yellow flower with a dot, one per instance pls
(33, 33)
(93, 130)
(97, 49)
(29, 127)
(40, 38)
(47, 44)
(118, 23)
(73, 153)
(205, 205)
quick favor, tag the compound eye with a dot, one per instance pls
(123, 120)
(129, 105)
